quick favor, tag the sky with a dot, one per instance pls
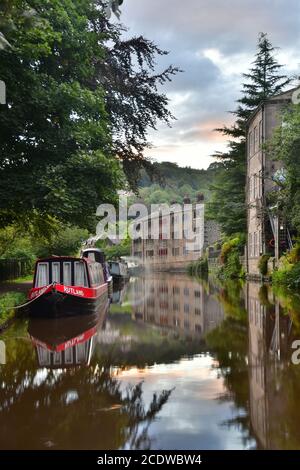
(214, 42)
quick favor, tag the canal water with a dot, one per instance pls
(172, 363)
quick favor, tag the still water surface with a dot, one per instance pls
(172, 363)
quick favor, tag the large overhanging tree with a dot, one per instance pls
(79, 102)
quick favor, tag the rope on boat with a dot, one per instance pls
(29, 301)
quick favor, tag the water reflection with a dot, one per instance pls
(274, 410)
(66, 342)
(177, 302)
(175, 363)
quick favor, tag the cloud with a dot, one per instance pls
(214, 42)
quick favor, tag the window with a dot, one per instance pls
(175, 251)
(260, 133)
(175, 306)
(186, 291)
(197, 311)
(250, 144)
(250, 244)
(42, 275)
(186, 308)
(255, 139)
(69, 356)
(56, 272)
(197, 294)
(254, 244)
(67, 277)
(256, 183)
(176, 290)
(79, 274)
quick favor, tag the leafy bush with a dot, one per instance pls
(288, 276)
(231, 251)
(263, 264)
(67, 242)
(199, 268)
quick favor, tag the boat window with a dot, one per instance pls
(57, 359)
(96, 273)
(80, 274)
(80, 353)
(42, 275)
(69, 356)
(67, 273)
(91, 256)
(44, 356)
(56, 272)
(100, 274)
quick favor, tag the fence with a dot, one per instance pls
(13, 268)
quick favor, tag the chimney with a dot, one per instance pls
(200, 197)
(186, 199)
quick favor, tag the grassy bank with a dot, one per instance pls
(7, 303)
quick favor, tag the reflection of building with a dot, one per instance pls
(176, 302)
(263, 229)
(167, 246)
(268, 342)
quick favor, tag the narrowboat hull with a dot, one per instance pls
(56, 301)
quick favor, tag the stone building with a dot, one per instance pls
(266, 233)
(170, 249)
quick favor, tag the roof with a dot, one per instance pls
(280, 96)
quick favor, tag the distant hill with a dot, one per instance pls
(172, 183)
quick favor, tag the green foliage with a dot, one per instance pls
(56, 156)
(288, 275)
(231, 251)
(263, 264)
(199, 268)
(66, 242)
(285, 147)
(172, 183)
(228, 205)
(80, 100)
(7, 302)
(115, 251)
(14, 243)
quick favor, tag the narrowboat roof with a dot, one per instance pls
(62, 258)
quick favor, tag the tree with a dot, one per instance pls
(133, 100)
(262, 81)
(56, 157)
(79, 101)
(285, 146)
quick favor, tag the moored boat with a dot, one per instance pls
(97, 255)
(67, 286)
(118, 270)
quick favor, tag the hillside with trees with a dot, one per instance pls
(172, 183)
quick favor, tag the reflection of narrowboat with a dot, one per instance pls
(118, 269)
(98, 256)
(67, 286)
(66, 342)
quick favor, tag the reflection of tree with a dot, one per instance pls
(229, 342)
(135, 408)
(73, 409)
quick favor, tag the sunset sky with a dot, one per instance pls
(214, 42)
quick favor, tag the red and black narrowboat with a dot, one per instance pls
(67, 286)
